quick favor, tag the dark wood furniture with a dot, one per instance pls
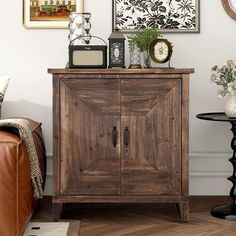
(227, 211)
(120, 136)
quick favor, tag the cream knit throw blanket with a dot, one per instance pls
(22, 126)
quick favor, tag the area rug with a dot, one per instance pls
(52, 229)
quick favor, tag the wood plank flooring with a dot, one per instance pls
(144, 220)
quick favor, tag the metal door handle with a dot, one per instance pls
(114, 136)
(126, 136)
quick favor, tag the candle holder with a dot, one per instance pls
(135, 56)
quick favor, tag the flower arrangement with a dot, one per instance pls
(225, 77)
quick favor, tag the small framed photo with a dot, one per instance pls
(49, 13)
(168, 16)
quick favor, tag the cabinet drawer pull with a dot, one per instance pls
(126, 137)
(114, 136)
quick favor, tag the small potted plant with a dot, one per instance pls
(225, 77)
(142, 39)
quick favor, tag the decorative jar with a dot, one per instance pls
(146, 59)
(230, 106)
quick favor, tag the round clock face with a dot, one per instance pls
(160, 50)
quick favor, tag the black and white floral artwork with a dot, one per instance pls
(166, 15)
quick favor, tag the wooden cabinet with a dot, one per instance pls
(120, 136)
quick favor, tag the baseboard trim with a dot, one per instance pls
(210, 155)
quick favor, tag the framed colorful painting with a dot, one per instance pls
(165, 15)
(49, 13)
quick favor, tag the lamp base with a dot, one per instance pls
(227, 212)
(135, 66)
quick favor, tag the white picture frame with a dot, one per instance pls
(49, 14)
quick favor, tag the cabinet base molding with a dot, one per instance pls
(119, 199)
(182, 203)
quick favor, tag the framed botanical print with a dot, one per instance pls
(165, 15)
(49, 13)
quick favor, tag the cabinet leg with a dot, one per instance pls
(56, 211)
(177, 205)
(184, 211)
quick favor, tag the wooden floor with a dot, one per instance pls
(144, 220)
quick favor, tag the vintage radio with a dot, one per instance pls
(87, 56)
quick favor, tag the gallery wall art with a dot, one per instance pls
(166, 15)
(49, 13)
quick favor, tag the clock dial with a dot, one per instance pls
(161, 51)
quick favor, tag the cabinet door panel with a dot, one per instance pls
(151, 162)
(90, 110)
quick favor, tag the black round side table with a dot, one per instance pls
(225, 211)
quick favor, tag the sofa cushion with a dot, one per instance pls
(17, 203)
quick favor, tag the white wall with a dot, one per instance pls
(25, 54)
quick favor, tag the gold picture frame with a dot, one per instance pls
(49, 14)
(229, 8)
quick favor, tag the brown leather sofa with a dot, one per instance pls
(17, 203)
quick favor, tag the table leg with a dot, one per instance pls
(184, 211)
(228, 211)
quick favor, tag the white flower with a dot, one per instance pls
(232, 86)
(214, 78)
(221, 93)
(231, 63)
(225, 77)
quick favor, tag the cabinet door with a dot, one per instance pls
(151, 150)
(90, 126)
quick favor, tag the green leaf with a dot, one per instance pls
(144, 37)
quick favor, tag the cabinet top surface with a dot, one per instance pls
(121, 71)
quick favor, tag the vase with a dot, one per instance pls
(230, 106)
(146, 59)
(135, 57)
